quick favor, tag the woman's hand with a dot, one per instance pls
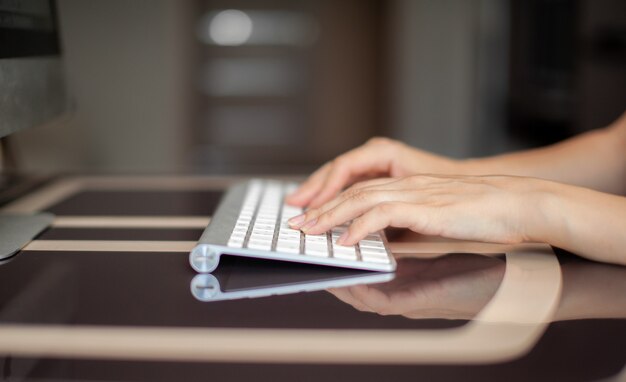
(498, 209)
(378, 157)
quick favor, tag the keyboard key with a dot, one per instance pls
(345, 256)
(263, 230)
(344, 252)
(260, 244)
(315, 244)
(343, 249)
(376, 259)
(261, 238)
(316, 238)
(316, 251)
(288, 247)
(288, 239)
(374, 251)
(235, 242)
(371, 244)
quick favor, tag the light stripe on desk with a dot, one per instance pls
(110, 246)
(131, 222)
(399, 249)
(511, 324)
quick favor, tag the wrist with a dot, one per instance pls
(543, 212)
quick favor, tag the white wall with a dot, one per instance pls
(448, 74)
(127, 76)
(128, 71)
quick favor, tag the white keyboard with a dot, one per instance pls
(260, 229)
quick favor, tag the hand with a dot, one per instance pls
(498, 209)
(378, 157)
(457, 286)
(454, 286)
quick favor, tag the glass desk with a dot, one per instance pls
(106, 293)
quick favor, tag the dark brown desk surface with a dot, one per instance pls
(152, 289)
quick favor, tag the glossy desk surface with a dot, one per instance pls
(107, 293)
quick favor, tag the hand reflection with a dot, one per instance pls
(457, 286)
(454, 286)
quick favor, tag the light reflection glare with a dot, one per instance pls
(235, 27)
(230, 27)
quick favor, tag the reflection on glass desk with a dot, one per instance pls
(455, 287)
(134, 305)
(440, 293)
(237, 278)
(146, 289)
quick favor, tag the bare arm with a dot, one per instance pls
(587, 222)
(596, 159)
(498, 209)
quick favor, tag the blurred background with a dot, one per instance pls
(281, 86)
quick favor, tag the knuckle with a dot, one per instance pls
(352, 193)
(385, 208)
(340, 162)
(356, 187)
(327, 217)
(361, 196)
(357, 225)
(311, 213)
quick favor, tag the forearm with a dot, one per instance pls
(583, 221)
(596, 159)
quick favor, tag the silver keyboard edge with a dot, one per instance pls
(299, 258)
(225, 216)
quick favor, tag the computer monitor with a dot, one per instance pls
(31, 93)
(31, 75)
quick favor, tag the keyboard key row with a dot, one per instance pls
(372, 248)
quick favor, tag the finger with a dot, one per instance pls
(307, 190)
(374, 299)
(352, 165)
(345, 295)
(358, 197)
(313, 213)
(394, 214)
(353, 207)
(337, 178)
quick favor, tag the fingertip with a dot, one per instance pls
(314, 204)
(297, 221)
(341, 240)
(293, 195)
(349, 238)
(300, 197)
(294, 200)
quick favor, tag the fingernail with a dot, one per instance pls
(296, 221)
(309, 225)
(343, 238)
